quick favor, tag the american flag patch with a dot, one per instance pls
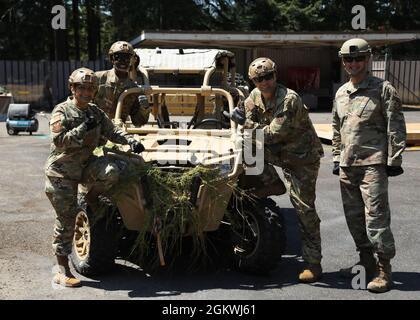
(55, 123)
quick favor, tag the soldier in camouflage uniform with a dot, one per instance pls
(369, 137)
(113, 82)
(76, 127)
(290, 142)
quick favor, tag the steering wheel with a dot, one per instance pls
(220, 123)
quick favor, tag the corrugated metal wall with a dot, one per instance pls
(378, 69)
(33, 81)
(404, 76)
(241, 61)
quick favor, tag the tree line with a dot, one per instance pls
(93, 25)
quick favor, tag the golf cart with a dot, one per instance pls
(21, 118)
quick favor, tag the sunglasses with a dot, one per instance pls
(351, 59)
(267, 77)
(83, 87)
(122, 56)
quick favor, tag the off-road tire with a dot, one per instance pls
(99, 236)
(259, 253)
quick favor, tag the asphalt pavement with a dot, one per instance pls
(26, 227)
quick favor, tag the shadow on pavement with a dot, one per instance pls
(141, 284)
(332, 280)
(178, 281)
(403, 281)
(163, 284)
(406, 281)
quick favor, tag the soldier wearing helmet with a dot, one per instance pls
(291, 143)
(76, 126)
(114, 81)
(354, 48)
(261, 67)
(369, 137)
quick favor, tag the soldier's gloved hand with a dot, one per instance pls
(90, 122)
(147, 90)
(393, 171)
(143, 102)
(238, 116)
(336, 168)
(136, 146)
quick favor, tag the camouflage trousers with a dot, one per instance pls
(364, 191)
(62, 194)
(301, 183)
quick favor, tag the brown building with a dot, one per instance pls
(307, 62)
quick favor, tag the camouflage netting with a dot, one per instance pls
(171, 212)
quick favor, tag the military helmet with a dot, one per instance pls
(355, 47)
(120, 46)
(82, 76)
(260, 67)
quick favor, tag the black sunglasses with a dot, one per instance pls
(351, 59)
(267, 77)
(122, 56)
(82, 87)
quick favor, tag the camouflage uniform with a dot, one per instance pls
(368, 134)
(71, 161)
(291, 143)
(110, 88)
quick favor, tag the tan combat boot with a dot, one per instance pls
(383, 280)
(312, 273)
(65, 281)
(367, 260)
(64, 277)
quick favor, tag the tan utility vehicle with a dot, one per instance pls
(252, 228)
(185, 68)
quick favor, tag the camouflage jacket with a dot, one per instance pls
(288, 130)
(109, 90)
(72, 145)
(368, 124)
